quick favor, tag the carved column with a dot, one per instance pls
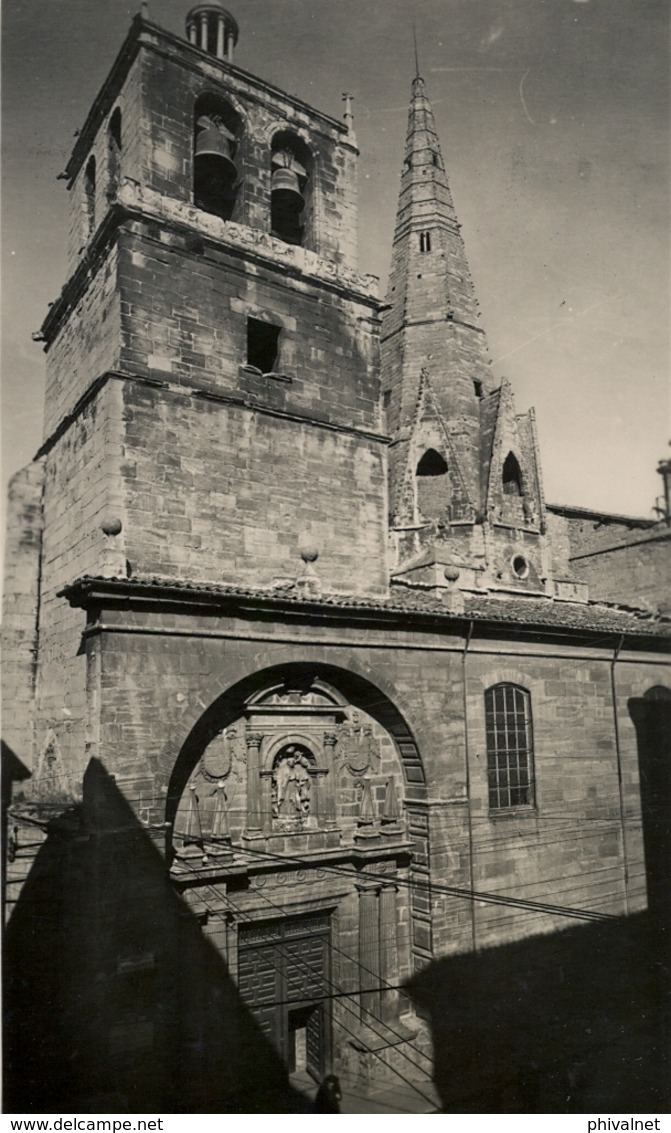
(388, 952)
(254, 799)
(220, 37)
(369, 949)
(328, 801)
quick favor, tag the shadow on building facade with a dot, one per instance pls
(577, 1021)
(651, 716)
(114, 1000)
(569, 1023)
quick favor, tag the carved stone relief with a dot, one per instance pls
(357, 748)
(224, 754)
(292, 787)
(205, 815)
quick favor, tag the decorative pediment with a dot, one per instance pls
(433, 487)
(513, 492)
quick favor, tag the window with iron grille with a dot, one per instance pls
(510, 750)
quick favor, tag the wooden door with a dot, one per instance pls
(283, 977)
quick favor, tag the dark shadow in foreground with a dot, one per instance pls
(575, 1022)
(651, 717)
(13, 771)
(114, 999)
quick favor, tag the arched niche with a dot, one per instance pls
(511, 476)
(328, 713)
(432, 484)
(89, 200)
(292, 190)
(217, 131)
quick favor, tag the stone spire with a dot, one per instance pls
(431, 330)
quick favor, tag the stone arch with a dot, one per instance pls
(218, 129)
(293, 168)
(512, 479)
(497, 676)
(357, 690)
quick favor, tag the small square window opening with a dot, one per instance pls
(262, 345)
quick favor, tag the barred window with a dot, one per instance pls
(510, 751)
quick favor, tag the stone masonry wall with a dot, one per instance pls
(566, 851)
(217, 492)
(81, 489)
(184, 316)
(20, 609)
(594, 532)
(638, 574)
(622, 562)
(86, 345)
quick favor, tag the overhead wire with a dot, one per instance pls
(384, 985)
(434, 887)
(278, 946)
(402, 1038)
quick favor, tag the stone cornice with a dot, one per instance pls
(221, 397)
(250, 242)
(525, 618)
(140, 202)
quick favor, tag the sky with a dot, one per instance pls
(554, 124)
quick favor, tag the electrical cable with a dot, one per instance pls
(340, 993)
(277, 945)
(438, 888)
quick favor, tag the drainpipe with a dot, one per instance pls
(468, 786)
(618, 754)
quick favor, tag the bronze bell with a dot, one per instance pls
(284, 182)
(213, 140)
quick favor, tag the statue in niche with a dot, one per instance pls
(291, 787)
(358, 750)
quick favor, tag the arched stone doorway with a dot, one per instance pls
(291, 817)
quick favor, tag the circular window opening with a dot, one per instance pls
(520, 567)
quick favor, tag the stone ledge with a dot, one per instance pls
(240, 238)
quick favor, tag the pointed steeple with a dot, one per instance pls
(466, 498)
(432, 324)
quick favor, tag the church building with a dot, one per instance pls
(283, 571)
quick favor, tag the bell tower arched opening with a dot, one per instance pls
(291, 189)
(216, 179)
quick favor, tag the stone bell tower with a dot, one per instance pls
(212, 400)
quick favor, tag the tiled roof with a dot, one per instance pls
(601, 516)
(591, 617)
